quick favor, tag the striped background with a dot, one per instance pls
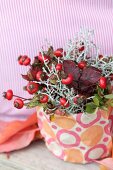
(25, 24)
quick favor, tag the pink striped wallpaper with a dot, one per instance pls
(25, 24)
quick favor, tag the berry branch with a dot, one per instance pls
(68, 81)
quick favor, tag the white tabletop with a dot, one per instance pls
(37, 157)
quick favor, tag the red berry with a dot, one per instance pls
(32, 87)
(100, 56)
(59, 52)
(38, 75)
(9, 94)
(59, 67)
(18, 103)
(103, 82)
(44, 98)
(81, 49)
(75, 100)
(24, 60)
(68, 80)
(64, 102)
(82, 64)
(44, 89)
(27, 61)
(20, 61)
(43, 58)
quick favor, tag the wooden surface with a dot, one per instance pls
(37, 157)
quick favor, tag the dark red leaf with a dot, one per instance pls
(71, 68)
(85, 80)
(89, 79)
(32, 74)
(25, 77)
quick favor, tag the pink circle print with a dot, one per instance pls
(85, 123)
(67, 138)
(96, 152)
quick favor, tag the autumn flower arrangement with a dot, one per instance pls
(71, 89)
(73, 80)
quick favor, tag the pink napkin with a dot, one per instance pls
(18, 134)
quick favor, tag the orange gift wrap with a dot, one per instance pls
(77, 138)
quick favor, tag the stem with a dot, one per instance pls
(22, 97)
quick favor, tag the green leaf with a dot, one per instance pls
(109, 96)
(111, 103)
(90, 107)
(96, 101)
(104, 108)
(31, 104)
(100, 92)
(34, 102)
(53, 81)
(102, 102)
(99, 97)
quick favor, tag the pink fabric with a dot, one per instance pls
(18, 134)
(108, 163)
(24, 25)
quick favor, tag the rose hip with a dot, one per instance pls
(9, 94)
(63, 102)
(68, 80)
(18, 103)
(32, 87)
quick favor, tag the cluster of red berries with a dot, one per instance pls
(18, 102)
(24, 60)
(32, 87)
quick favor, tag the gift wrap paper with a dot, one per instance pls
(78, 138)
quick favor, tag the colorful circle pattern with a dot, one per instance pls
(67, 138)
(87, 138)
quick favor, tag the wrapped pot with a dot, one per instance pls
(77, 138)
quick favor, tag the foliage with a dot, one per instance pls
(85, 85)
